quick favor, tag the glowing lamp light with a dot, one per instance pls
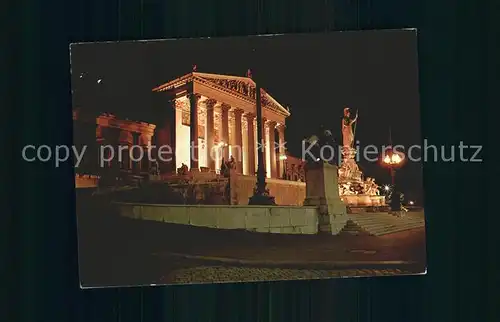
(396, 158)
(393, 158)
(411, 203)
(386, 188)
(283, 157)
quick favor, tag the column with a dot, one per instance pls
(124, 149)
(256, 137)
(135, 155)
(272, 148)
(281, 150)
(264, 144)
(210, 103)
(225, 129)
(193, 134)
(251, 144)
(238, 149)
(112, 138)
(145, 142)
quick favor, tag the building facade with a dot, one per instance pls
(213, 118)
(107, 130)
(215, 112)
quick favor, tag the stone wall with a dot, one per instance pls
(287, 193)
(281, 220)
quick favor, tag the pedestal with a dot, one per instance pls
(262, 200)
(322, 191)
(349, 170)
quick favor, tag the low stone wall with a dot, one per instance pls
(286, 193)
(281, 220)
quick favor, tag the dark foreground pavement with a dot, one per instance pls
(117, 251)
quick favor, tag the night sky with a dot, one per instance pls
(316, 75)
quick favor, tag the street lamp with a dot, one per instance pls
(393, 159)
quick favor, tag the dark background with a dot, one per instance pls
(315, 75)
(40, 236)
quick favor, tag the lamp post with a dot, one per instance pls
(260, 195)
(393, 160)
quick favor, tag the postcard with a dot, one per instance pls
(274, 157)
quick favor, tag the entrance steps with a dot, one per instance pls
(378, 224)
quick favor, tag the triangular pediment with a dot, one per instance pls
(243, 87)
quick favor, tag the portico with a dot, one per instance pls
(214, 119)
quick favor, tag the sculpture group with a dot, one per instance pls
(353, 188)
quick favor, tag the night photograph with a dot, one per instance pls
(277, 157)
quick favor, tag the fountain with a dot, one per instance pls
(355, 191)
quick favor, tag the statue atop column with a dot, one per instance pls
(353, 187)
(347, 128)
(349, 170)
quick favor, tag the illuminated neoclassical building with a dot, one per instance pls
(218, 113)
(222, 110)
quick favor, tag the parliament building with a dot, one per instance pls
(216, 112)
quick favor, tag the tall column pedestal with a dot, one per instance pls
(261, 194)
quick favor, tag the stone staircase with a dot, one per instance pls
(378, 224)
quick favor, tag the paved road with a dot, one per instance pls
(204, 271)
(222, 274)
(121, 253)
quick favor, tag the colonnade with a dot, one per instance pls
(231, 140)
